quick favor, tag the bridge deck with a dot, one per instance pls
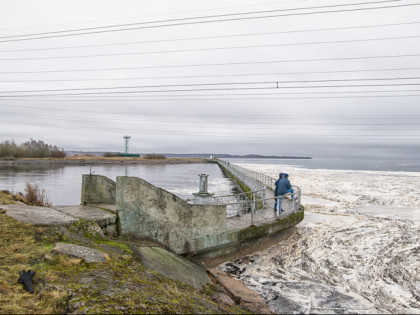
(262, 216)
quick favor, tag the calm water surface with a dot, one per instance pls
(63, 184)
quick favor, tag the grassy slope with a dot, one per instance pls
(63, 284)
(7, 198)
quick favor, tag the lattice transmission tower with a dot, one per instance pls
(126, 138)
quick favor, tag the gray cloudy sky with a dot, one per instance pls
(308, 77)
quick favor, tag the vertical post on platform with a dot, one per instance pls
(203, 196)
(293, 202)
(253, 209)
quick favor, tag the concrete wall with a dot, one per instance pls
(150, 212)
(241, 242)
(98, 189)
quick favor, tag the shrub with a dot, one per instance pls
(153, 156)
(30, 149)
(109, 154)
(36, 196)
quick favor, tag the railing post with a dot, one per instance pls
(293, 203)
(252, 208)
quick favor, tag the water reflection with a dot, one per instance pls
(63, 183)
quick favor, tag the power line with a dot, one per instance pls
(214, 76)
(230, 99)
(200, 22)
(145, 86)
(252, 116)
(202, 125)
(213, 48)
(212, 37)
(225, 83)
(141, 16)
(175, 97)
(192, 18)
(223, 135)
(206, 89)
(219, 64)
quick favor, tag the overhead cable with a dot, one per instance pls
(223, 116)
(272, 84)
(220, 64)
(213, 37)
(210, 49)
(223, 135)
(212, 76)
(18, 37)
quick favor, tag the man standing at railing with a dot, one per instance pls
(284, 188)
(276, 191)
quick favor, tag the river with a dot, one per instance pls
(62, 184)
(356, 251)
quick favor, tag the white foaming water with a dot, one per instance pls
(357, 249)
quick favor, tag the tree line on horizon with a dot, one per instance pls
(30, 149)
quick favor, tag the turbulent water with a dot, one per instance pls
(357, 250)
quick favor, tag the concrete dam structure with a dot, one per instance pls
(213, 229)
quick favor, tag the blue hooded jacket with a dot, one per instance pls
(284, 185)
(277, 184)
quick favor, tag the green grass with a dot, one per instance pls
(63, 284)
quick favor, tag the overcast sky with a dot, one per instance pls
(240, 77)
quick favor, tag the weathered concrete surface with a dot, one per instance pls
(240, 292)
(101, 217)
(152, 213)
(240, 242)
(105, 206)
(90, 255)
(97, 189)
(37, 215)
(172, 266)
(61, 215)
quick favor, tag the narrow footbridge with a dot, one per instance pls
(255, 205)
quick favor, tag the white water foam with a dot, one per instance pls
(357, 250)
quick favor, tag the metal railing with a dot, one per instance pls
(265, 180)
(257, 195)
(246, 178)
(248, 211)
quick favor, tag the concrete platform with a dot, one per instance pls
(102, 217)
(262, 216)
(37, 215)
(60, 215)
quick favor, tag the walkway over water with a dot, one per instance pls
(257, 206)
(218, 228)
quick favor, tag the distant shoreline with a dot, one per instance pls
(100, 160)
(95, 160)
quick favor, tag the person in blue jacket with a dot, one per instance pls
(284, 187)
(276, 190)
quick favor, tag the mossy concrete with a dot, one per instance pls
(173, 266)
(98, 189)
(149, 212)
(240, 242)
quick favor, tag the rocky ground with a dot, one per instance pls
(357, 251)
(80, 269)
